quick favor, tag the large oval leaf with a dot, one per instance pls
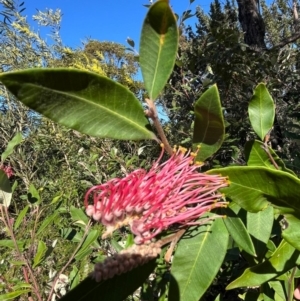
(261, 111)
(209, 128)
(284, 258)
(158, 47)
(89, 103)
(115, 289)
(253, 188)
(197, 261)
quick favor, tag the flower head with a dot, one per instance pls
(172, 192)
(7, 169)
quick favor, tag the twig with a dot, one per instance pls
(152, 113)
(265, 147)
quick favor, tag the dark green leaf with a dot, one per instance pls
(209, 128)
(115, 289)
(84, 101)
(261, 111)
(158, 47)
(283, 259)
(197, 260)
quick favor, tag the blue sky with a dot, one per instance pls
(104, 20)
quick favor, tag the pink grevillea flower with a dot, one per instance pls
(173, 192)
(7, 169)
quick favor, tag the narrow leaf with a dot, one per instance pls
(13, 295)
(40, 254)
(261, 111)
(283, 259)
(84, 101)
(197, 261)
(90, 239)
(46, 222)
(238, 231)
(17, 139)
(10, 244)
(115, 289)
(5, 189)
(253, 188)
(209, 128)
(20, 217)
(158, 47)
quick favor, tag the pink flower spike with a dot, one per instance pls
(172, 192)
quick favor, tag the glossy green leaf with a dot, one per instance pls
(290, 230)
(257, 156)
(115, 289)
(158, 47)
(84, 101)
(17, 139)
(209, 128)
(13, 295)
(238, 231)
(261, 111)
(47, 221)
(260, 225)
(20, 217)
(40, 254)
(197, 260)
(283, 259)
(5, 189)
(253, 188)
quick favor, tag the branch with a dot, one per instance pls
(287, 40)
